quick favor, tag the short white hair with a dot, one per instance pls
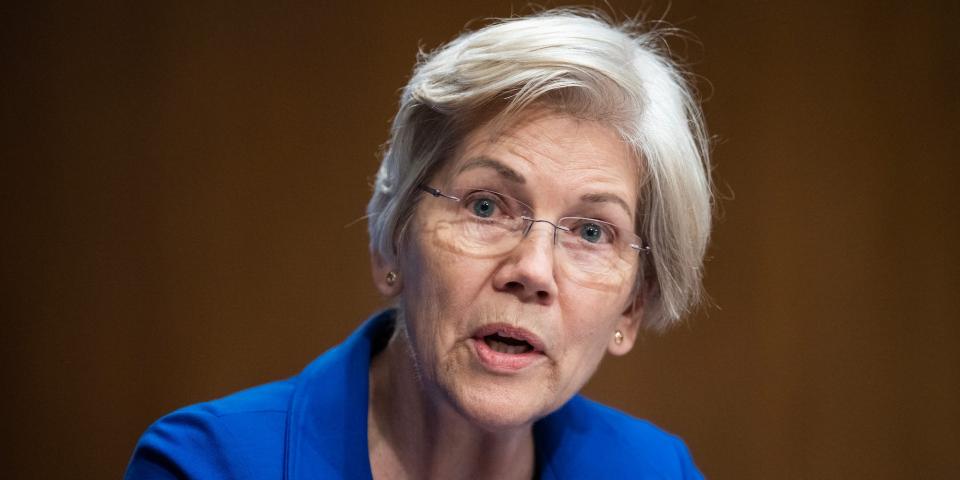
(580, 63)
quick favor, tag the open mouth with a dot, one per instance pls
(507, 339)
(505, 344)
(505, 349)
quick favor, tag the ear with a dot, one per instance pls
(628, 325)
(380, 267)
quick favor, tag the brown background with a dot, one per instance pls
(177, 181)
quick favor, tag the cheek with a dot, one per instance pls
(610, 283)
(589, 341)
(442, 278)
(437, 287)
(583, 359)
(589, 320)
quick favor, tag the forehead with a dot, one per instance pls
(544, 150)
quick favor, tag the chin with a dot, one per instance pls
(497, 407)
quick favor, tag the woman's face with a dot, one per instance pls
(468, 316)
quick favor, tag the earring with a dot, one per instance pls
(392, 278)
(618, 337)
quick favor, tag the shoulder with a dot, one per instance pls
(608, 423)
(313, 422)
(586, 438)
(218, 439)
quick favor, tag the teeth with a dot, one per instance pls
(501, 347)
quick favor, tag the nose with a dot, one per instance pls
(528, 271)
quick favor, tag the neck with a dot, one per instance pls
(413, 433)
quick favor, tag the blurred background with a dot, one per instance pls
(180, 185)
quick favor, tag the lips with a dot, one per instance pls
(508, 339)
(501, 344)
(503, 348)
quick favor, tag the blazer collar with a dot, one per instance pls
(327, 421)
(326, 432)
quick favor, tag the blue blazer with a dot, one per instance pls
(314, 425)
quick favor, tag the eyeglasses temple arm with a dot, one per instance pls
(436, 192)
(432, 191)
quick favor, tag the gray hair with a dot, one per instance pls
(580, 63)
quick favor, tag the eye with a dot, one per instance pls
(592, 232)
(489, 205)
(483, 207)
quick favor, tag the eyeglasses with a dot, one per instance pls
(484, 223)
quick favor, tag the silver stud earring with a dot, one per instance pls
(392, 278)
(618, 337)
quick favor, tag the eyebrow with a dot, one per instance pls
(502, 169)
(607, 198)
(508, 173)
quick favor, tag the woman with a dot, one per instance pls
(543, 197)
